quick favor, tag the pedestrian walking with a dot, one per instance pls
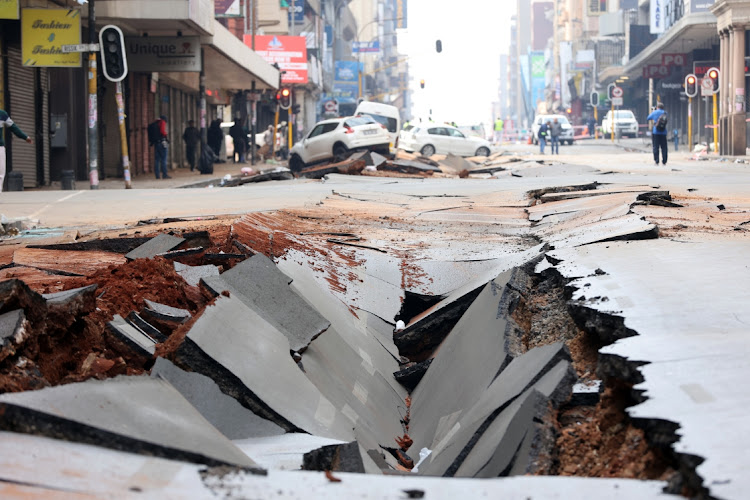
(659, 133)
(157, 136)
(542, 136)
(499, 124)
(5, 121)
(676, 138)
(214, 137)
(555, 131)
(239, 137)
(592, 126)
(192, 137)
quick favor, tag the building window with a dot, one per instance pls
(597, 7)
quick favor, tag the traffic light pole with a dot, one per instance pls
(612, 121)
(690, 124)
(93, 135)
(123, 136)
(716, 127)
(596, 122)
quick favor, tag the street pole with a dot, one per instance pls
(716, 127)
(612, 120)
(596, 122)
(93, 126)
(202, 104)
(690, 124)
(123, 136)
(252, 125)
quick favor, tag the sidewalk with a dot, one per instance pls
(180, 177)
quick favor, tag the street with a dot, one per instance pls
(581, 315)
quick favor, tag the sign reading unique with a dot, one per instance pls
(174, 53)
(44, 32)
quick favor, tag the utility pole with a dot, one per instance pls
(93, 110)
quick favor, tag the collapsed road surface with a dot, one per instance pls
(545, 331)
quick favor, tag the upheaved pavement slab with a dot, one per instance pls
(136, 414)
(135, 338)
(193, 274)
(458, 433)
(225, 413)
(32, 468)
(163, 312)
(249, 358)
(13, 331)
(261, 286)
(692, 340)
(155, 246)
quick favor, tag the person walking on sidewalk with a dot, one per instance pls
(5, 121)
(192, 137)
(499, 124)
(555, 131)
(659, 133)
(161, 148)
(542, 136)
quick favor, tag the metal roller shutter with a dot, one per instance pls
(21, 109)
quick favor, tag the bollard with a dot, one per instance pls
(68, 180)
(15, 181)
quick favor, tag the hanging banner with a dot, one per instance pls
(657, 16)
(290, 52)
(227, 8)
(8, 9)
(44, 32)
(399, 13)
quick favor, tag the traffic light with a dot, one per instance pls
(295, 109)
(714, 74)
(112, 50)
(284, 97)
(594, 99)
(609, 90)
(691, 85)
(421, 83)
(438, 46)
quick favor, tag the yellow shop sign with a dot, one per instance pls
(45, 31)
(8, 9)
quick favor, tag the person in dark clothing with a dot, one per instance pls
(555, 131)
(161, 150)
(542, 136)
(659, 134)
(214, 138)
(239, 137)
(5, 121)
(192, 137)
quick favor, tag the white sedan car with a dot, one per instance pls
(336, 138)
(442, 139)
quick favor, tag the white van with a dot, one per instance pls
(384, 114)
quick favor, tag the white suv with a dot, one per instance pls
(336, 138)
(624, 122)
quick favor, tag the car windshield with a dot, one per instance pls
(390, 123)
(560, 119)
(359, 120)
(624, 115)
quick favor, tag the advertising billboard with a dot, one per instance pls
(8, 9)
(156, 53)
(657, 18)
(44, 32)
(290, 52)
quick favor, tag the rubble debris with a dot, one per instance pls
(133, 414)
(277, 174)
(71, 263)
(164, 313)
(452, 164)
(659, 198)
(193, 274)
(262, 287)
(586, 393)
(224, 412)
(120, 245)
(721, 207)
(238, 349)
(410, 375)
(408, 167)
(13, 332)
(331, 477)
(336, 458)
(155, 246)
(181, 254)
(134, 338)
(349, 166)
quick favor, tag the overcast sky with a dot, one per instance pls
(462, 81)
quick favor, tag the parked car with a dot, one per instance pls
(384, 114)
(442, 139)
(624, 120)
(567, 129)
(336, 138)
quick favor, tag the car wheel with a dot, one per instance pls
(340, 153)
(296, 164)
(483, 151)
(428, 150)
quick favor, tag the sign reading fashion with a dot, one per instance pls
(8, 9)
(44, 32)
(174, 53)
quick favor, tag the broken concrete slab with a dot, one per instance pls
(133, 337)
(13, 332)
(272, 175)
(412, 374)
(136, 414)
(71, 263)
(262, 287)
(137, 321)
(561, 169)
(224, 412)
(166, 313)
(193, 274)
(285, 452)
(15, 294)
(453, 164)
(408, 167)
(115, 245)
(349, 166)
(336, 457)
(155, 246)
(249, 359)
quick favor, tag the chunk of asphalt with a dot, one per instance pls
(262, 287)
(249, 359)
(586, 393)
(466, 363)
(193, 274)
(137, 321)
(408, 167)
(115, 245)
(224, 412)
(410, 376)
(71, 297)
(458, 433)
(135, 414)
(15, 294)
(13, 332)
(133, 337)
(155, 246)
(166, 313)
(335, 457)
